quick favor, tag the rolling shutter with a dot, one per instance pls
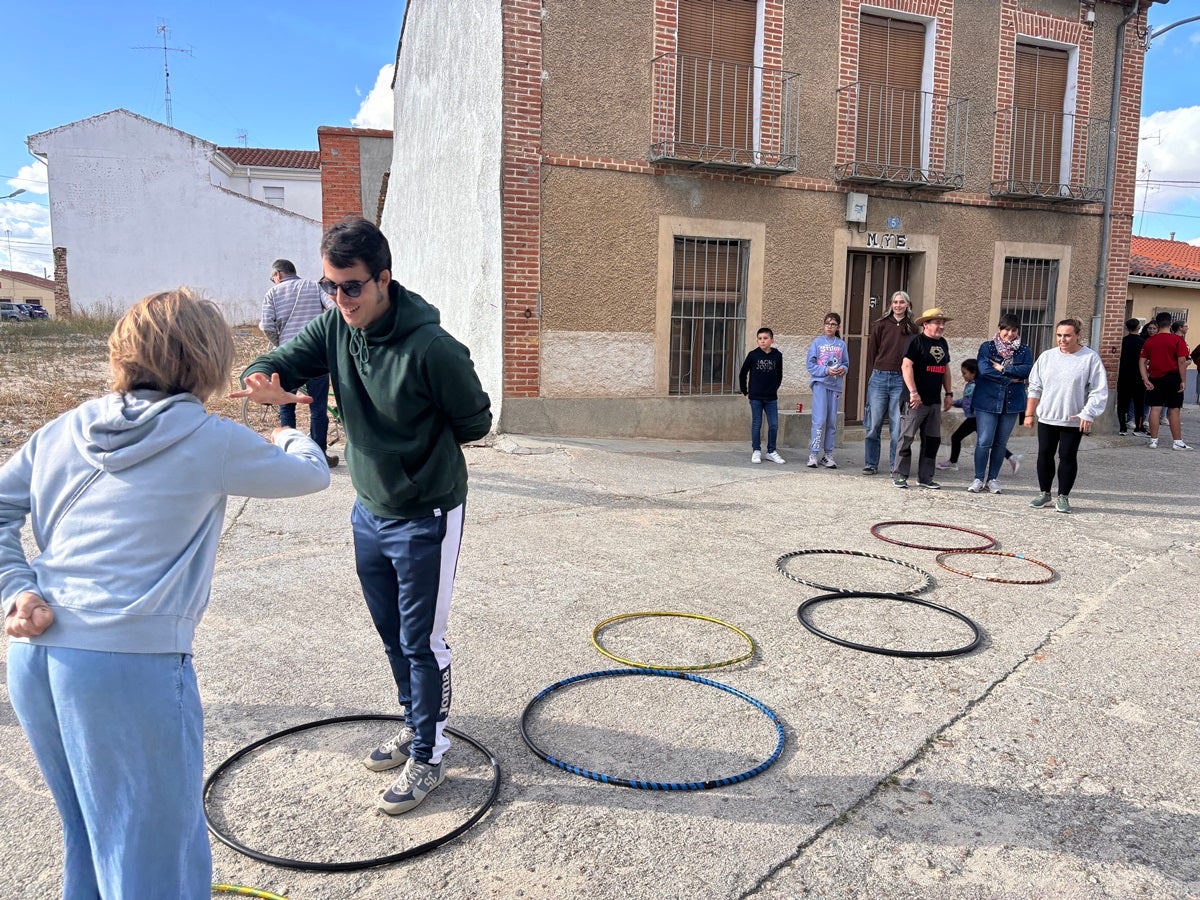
(891, 58)
(716, 76)
(1039, 95)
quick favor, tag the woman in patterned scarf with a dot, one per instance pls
(999, 400)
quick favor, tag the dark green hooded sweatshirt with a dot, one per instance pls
(408, 396)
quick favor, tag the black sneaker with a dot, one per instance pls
(929, 485)
(869, 470)
(331, 461)
(1123, 433)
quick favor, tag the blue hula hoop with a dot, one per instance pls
(642, 784)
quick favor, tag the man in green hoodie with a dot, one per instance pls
(409, 396)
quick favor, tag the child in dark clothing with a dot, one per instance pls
(970, 369)
(759, 380)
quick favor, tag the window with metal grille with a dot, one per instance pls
(1028, 292)
(1038, 123)
(891, 58)
(708, 315)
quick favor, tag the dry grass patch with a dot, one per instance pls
(52, 365)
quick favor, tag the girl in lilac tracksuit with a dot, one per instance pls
(828, 359)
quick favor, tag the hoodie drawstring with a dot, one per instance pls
(360, 352)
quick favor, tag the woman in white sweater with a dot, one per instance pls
(1068, 388)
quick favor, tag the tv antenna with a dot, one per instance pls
(241, 137)
(164, 31)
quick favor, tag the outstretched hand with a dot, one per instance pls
(29, 617)
(268, 391)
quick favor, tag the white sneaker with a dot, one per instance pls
(812, 461)
(976, 486)
(774, 457)
(1153, 443)
(993, 486)
(828, 462)
(946, 464)
(756, 456)
(1180, 445)
(1014, 463)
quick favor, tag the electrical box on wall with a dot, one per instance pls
(856, 207)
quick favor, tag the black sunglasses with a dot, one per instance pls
(349, 288)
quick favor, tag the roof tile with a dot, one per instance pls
(1159, 258)
(273, 159)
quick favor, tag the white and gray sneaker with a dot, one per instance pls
(416, 781)
(976, 486)
(813, 459)
(1180, 445)
(828, 463)
(391, 753)
(993, 486)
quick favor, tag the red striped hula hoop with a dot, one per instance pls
(991, 541)
(941, 557)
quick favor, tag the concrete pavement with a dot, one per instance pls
(1059, 759)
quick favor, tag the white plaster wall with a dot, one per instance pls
(597, 364)
(132, 202)
(442, 211)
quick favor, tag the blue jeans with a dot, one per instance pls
(757, 408)
(884, 390)
(318, 411)
(119, 740)
(992, 443)
(406, 569)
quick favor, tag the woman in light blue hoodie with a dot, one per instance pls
(828, 358)
(126, 500)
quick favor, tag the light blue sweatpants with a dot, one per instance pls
(119, 739)
(824, 419)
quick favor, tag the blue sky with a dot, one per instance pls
(279, 72)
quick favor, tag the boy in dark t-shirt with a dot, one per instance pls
(926, 372)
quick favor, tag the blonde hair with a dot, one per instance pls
(174, 342)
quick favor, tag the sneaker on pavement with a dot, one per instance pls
(416, 781)
(756, 456)
(391, 753)
(1123, 432)
(1062, 504)
(1141, 432)
(1041, 500)
(1180, 445)
(900, 481)
(993, 486)
(869, 470)
(774, 457)
(331, 461)
(828, 462)
(1014, 463)
(946, 464)
(1153, 445)
(929, 485)
(812, 461)
(975, 487)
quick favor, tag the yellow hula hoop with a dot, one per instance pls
(246, 891)
(666, 666)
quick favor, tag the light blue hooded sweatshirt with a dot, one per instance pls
(126, 497)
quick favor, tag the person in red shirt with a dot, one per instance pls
(1163, 364)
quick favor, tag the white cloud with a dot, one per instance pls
(32, 178)
(25, 228)
(378, 107)
(1170, 149)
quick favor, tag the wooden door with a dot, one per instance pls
(871, 279)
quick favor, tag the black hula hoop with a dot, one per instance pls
(991, 541)
(654, 785)
(885, 651)
(780, 564)
(941, 557)
(358, 863)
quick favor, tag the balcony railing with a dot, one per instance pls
(718, 114)
(1051, 155)
(891, 135)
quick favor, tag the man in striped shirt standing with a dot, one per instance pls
(291, 304)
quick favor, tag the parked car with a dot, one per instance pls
(34, 310)
(11, 312)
